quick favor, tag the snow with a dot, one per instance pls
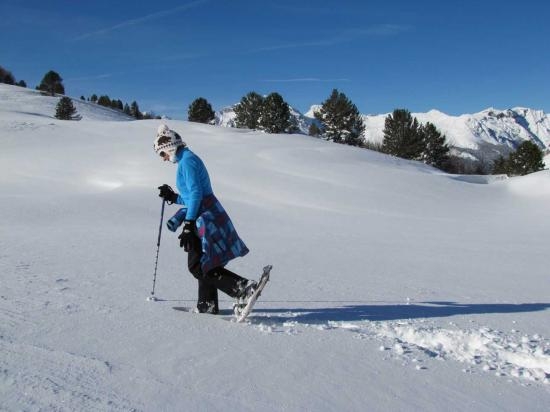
(24, 101)
(469, 131)
(394, 286)
(488, 134)
(455, 128)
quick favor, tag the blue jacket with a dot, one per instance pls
(192, 181)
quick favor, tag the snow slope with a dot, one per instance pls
(23, 101)
(395, 287)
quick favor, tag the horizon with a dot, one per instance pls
(423, 56)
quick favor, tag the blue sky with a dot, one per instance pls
(457, 57)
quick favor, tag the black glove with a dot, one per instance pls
(188, 235)
(168, 194)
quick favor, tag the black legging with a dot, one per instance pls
(217, 278)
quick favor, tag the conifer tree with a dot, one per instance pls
(93, 98)
(436, 152)
(65, 109)
(402, 137)
(341, 120)
(248, 111)
(314, 130)
(528, 158)
(134, 111)
(52, 83)
(21, 83)
(275, 115)
(6, 76)
(127, 109)
(500, 166)
(104, 100)
(200, 111)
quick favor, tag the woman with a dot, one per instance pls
(208, 236)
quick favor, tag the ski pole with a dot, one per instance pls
(152, 297)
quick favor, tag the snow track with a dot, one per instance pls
(72, 382)
(512, 354)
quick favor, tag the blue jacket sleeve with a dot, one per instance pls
(191, 174)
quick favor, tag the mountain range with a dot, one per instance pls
(479, 136)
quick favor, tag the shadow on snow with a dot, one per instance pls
(393, 312)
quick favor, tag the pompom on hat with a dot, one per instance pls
(168, 141)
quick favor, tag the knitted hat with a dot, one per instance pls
(168, 141)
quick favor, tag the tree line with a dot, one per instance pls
(405, 137)
(339, 120)
(131, 110)
(270, 114)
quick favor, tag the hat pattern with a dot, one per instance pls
(167, 141)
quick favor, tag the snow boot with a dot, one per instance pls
(207, 301)
(246, 290)
(209, 307)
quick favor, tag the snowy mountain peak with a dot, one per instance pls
(435, 112)
(485, 134)
(312, 110)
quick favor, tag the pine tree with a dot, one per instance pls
(52, 83)
(500, 166)
(341, 120)
(436, 152)
(402, 137)
(275, 115)
(104, 100)
(21, 83)
(65, 110)
(200, 111)
(248, 111)
(6, 76)
(93, 98)
(126, 109)
(134, 111)
(314, 130)
(528, 158)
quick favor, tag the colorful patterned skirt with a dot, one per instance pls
(220, 241)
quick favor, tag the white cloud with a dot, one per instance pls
(93, 77)
(143, 19)
(342, 37)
